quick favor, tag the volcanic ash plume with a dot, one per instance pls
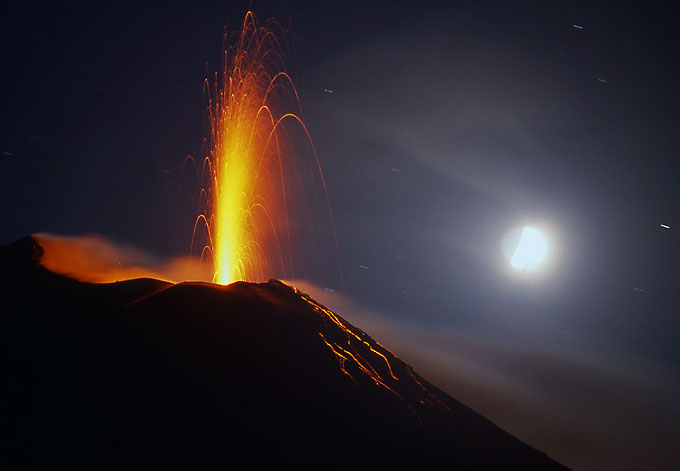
(95, 259)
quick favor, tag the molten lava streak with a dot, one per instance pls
(259, 201)
(355, 350)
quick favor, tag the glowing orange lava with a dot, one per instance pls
(355, 350)
(259, 196)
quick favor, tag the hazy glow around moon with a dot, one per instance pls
(530, 251)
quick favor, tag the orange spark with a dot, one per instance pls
(256, 211)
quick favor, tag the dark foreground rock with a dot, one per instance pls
(143, 373)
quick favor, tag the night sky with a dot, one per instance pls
(446, 127)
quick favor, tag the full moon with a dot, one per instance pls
(526, 248)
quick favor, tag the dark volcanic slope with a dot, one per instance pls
(143, 373)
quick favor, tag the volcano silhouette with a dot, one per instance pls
(147, 374)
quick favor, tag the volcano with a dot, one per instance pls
(144, 373)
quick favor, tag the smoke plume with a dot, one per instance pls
(95, 259)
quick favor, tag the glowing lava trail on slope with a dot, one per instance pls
(263, 203)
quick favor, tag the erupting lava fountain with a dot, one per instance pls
(263, 204)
